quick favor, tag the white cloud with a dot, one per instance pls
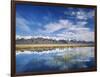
(73, 13)
(22, 24)
(91, 14)
(82, 23)
(86, 36)
(81, 35)
(64, 24)
(61, 24)
(81, 15)
(71, 31)
(52, 27)
(25, 37)
(78, 31)
(84, 15)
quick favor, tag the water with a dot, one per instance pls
(55, 60)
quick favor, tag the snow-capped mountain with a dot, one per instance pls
(47, 40)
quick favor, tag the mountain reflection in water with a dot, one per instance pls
(55, 60)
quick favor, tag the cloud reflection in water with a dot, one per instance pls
(55, 60)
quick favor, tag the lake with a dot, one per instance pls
(58, 59)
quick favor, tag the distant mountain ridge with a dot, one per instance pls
(40, 40)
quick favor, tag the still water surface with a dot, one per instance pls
(55, 60)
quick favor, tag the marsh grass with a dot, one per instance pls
(44, 47)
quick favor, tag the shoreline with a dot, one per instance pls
(48, 46)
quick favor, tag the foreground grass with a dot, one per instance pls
(47, 46)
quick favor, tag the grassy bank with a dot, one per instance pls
(47, 46)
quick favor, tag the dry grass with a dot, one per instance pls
(47, 46)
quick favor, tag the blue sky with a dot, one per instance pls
(55, 22)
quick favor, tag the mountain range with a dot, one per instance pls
(42, 40)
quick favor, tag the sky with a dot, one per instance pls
(68, 23)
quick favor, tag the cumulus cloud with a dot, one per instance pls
(70, 31)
